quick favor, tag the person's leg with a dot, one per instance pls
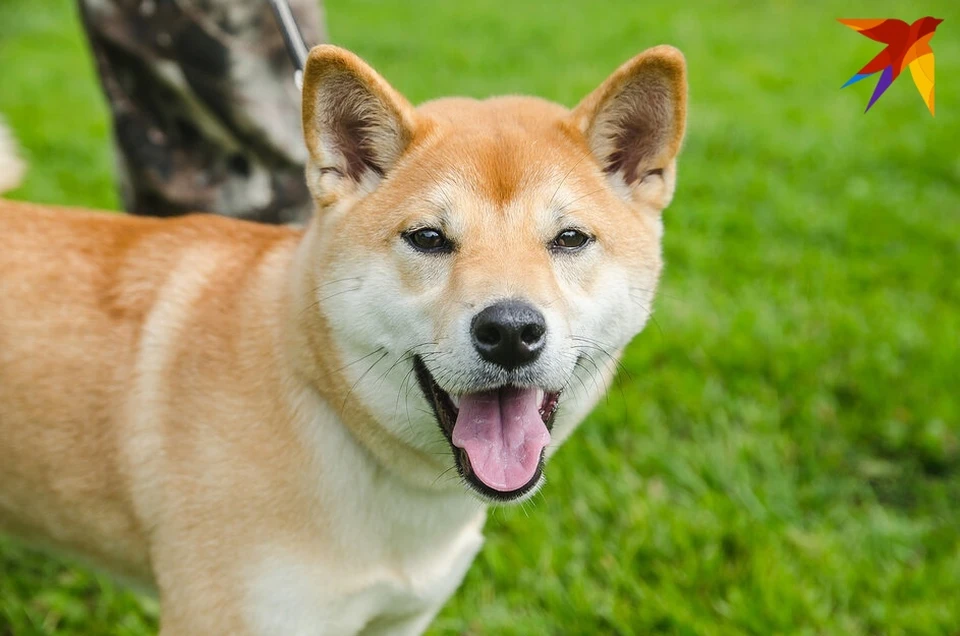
(205, 112)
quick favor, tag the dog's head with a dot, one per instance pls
(480, 265)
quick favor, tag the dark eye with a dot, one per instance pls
(428, 239)
(570, 240)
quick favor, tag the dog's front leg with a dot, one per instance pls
(407, 625)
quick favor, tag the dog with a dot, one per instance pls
(286, 431)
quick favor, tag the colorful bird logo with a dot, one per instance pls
(907, 45)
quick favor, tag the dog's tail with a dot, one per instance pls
(12, 167)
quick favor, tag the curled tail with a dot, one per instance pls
(12, 167)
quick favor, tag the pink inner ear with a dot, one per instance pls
(643, 125)
(351, 121)
(351, 134)
(636, 142)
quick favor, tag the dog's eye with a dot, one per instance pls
(570, 240)
(428, 239)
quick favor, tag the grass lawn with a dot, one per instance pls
(783, 453)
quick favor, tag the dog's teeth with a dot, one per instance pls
(540, 396)
(455, 400)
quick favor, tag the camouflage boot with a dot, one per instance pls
(206, 116)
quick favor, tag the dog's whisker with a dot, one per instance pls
(334, 282)
(360, 359)
(359, 380)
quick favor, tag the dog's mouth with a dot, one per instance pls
(497, 436)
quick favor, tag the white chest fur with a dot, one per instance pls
(384, 559)
(293, 595)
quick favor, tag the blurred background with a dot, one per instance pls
(782, 452)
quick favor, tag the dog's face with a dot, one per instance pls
(481, 264)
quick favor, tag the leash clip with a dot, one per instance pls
(292, 38)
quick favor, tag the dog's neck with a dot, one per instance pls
(373, 494)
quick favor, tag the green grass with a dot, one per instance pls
(784, 454)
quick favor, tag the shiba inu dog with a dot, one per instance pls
(296, 432)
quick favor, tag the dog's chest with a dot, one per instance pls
(294, 593)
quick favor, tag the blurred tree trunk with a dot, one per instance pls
(206, 116)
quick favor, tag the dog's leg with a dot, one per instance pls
(411, 625)
(201, 616)
(227, 593)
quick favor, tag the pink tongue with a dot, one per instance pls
(503, 435)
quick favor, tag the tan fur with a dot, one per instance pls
(180, 400)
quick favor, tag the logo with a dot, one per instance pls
(907, 45)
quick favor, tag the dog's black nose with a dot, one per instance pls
(510, 333)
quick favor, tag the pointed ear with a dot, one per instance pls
(356, 126)
(634, 123)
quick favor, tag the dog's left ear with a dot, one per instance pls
(356, 126)
(634, 124)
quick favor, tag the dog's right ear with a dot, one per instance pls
(356, 126)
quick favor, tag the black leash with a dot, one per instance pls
(292, 38)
